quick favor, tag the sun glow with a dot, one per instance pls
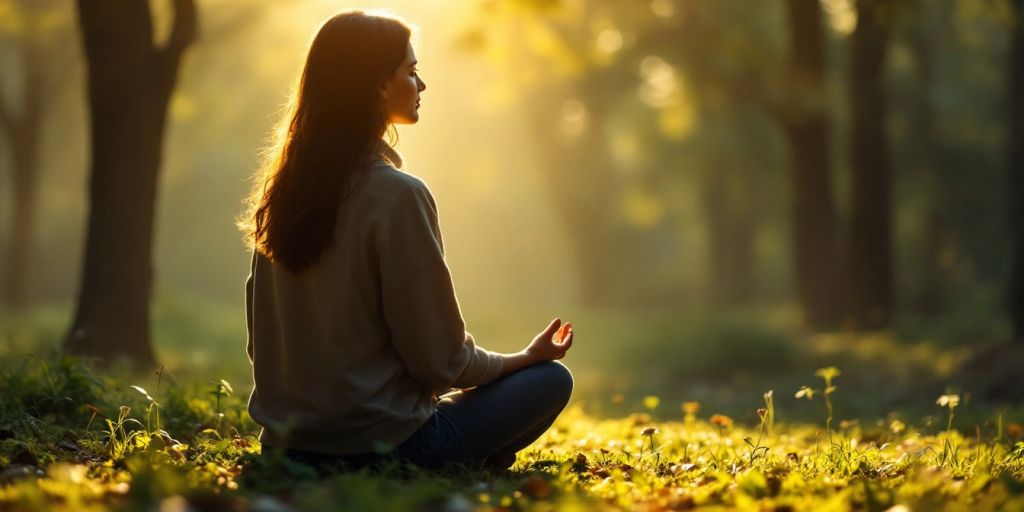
(842, 15)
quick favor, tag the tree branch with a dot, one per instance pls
(183, 33)
(185, 28)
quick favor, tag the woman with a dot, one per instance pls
(358, 347)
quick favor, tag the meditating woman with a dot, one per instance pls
(358, 347)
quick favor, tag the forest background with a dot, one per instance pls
(721, 196)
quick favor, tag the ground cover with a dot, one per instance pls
(74, 439)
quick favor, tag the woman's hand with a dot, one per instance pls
(545, 347)
(548, 346)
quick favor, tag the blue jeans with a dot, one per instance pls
(487, 424)
(491, 423)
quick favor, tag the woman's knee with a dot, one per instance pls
(558, 380)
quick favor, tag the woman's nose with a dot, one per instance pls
(421, 86)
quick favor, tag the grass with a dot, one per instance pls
(74, 439)
(670, 411)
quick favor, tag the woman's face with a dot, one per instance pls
(402, 92)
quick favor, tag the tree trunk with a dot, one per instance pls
(25, 153)
(130, 83)
(815, 223)
(1015, 169)
(870, 245)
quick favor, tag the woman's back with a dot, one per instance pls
(350, 352)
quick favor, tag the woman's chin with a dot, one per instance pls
(407, 119)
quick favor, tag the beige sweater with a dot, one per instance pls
(350, 355)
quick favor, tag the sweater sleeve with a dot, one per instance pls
(419, 302)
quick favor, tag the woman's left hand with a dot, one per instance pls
(548, 346)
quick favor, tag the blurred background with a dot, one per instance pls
(721, 196)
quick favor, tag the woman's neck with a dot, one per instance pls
(391, 156)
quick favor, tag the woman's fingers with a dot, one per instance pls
(552, 327)
(555, 340)
(562, 332)
(564, 346)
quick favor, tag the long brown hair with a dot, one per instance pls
(333, 128)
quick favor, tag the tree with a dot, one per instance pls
(727, 105)
(130, 81)
(1015, 167)
(38, 59)
(923, 32)
(806, 124)
(870, 242)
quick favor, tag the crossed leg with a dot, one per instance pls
(493, 422)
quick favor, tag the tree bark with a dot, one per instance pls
(815, 224)
(870, 245)
(130, 81)
(1015, 169)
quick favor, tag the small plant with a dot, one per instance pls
(154, 405)
(827, 374)
(766, 415)
(119, 439)
(723, 423)
(768, 419)
(649, 433)
(755, 445)
(93, 410)
(949, 401)
(221, 388)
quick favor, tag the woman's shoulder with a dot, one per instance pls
(385, 179)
